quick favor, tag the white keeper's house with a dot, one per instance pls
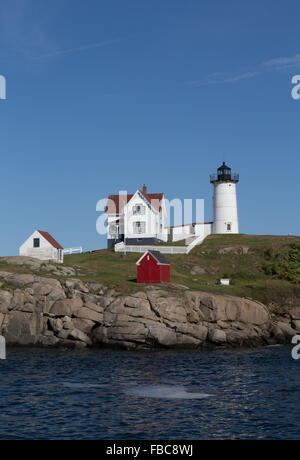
(41, 245)
(139, 219)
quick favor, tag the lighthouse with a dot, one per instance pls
(225, 201)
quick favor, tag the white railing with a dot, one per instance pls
(71, 251)
(142, 249)
(196, 242)
(121, 247)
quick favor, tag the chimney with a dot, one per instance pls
(145, 189)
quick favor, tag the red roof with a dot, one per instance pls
(50, 239)
(117, 203)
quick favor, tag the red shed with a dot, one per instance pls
(153, 267)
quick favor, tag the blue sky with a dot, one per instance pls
(106, 95)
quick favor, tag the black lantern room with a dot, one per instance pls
(224, 174)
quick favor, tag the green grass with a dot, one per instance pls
(268, 273)
(248, 274)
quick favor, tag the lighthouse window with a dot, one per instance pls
(229, 227)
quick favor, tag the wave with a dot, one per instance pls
(164, 392)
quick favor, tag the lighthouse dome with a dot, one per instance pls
(224, 172)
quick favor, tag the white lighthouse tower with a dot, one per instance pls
(225, 201)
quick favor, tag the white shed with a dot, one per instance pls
(41, 245)
(224, 282)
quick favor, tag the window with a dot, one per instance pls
(139, 210)
(36, 242)
(139, 227)
(229, 227)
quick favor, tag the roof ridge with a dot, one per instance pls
(50, 239)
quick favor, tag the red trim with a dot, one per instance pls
(50, 239)
(117, 203)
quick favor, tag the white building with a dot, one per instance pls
(225, 201)
(41, 245)
(139, 219)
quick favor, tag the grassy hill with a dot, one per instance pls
(265, 268)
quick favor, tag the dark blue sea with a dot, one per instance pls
(160, 395)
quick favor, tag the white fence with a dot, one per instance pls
(121, 247)
(73, 251)
(196, 242)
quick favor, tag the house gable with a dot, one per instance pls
(50, 239)
(157, 256)
(116, 204)
(140, 196)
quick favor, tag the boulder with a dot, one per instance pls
(168, 307)
(48, 341)
(87, 313)
(83, 325)
(32, 263)
(77, 285)
(228, 308)
(41, 289)
(20, 280)
(5, 301)
(76, 334)
(287, 330)
(217, 336)
(196, 270)
(198, 332)
(68, 307)
(17, 301)
(55, 325)
(94, 307)
(240, 250)
(23, 328)
(162, 336)
(97, 288)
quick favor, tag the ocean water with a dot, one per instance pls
(160, 395)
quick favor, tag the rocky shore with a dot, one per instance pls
(46, 312)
